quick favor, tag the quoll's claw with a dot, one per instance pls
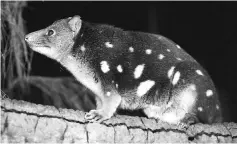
(90, 115)
(96, 116)
(183, 125)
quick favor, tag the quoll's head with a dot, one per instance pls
(57, 39)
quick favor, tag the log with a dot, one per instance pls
(27, 122)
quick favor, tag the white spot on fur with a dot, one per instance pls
(131, 49)
(116, 85)
(108, 93)
(176, 78)
(209, 93)
(168, 50)
(148, 51)
(144, 87)
(200, 109)
(104, 66)
(119, 68)
(112, 81)
(178, 47)
(161, 56)
(193, 87)
(108, 45)
(187, 98)
(217, 107)
(199, 72)
(138, 71)
(170, 72)
(83, 48)
(70, 57)
(179, 59)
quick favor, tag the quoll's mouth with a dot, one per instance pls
(39, 46)
(36, 45)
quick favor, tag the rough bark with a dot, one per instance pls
(26, 122)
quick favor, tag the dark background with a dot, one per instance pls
(206, 30)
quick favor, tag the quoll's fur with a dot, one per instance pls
(130, 70)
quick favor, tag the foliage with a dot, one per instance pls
(15, 57)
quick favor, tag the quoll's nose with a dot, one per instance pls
(26, 38)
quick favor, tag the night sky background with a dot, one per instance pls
(206, 30)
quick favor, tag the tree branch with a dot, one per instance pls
(26, 122)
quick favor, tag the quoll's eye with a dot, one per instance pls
(50, 32)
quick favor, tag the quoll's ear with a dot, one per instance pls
(75, 24)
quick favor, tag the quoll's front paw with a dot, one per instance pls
(183, 125)
(97, 116)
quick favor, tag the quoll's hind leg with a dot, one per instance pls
(189, 119)
(187, 83)
(110, 103)
(181, 103)
(207, 106)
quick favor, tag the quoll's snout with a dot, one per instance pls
(30, 38)
(27, 38)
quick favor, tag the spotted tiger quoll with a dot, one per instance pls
(130, 70)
